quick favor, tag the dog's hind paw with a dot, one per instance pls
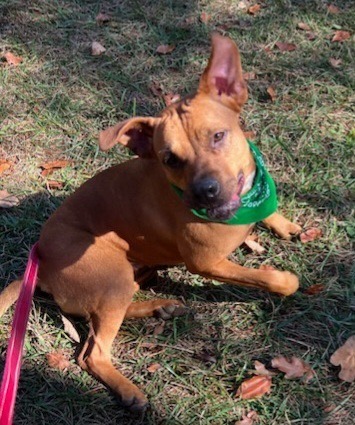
(170, 308)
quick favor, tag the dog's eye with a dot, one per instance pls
(218, 137)
(172, 160)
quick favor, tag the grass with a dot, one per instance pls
(53, 105)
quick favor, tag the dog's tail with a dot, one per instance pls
(9, 295)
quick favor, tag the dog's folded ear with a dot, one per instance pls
(223, 77)
(135, 133)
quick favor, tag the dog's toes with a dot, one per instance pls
(172, 308)
(131, 397)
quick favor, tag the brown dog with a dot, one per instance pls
(130, 215)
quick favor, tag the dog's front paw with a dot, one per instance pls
(288, 230)
(283, 283)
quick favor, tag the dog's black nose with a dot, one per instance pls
(206, 190)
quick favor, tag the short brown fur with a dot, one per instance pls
(130, 215)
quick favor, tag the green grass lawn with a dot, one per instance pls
(53, 105)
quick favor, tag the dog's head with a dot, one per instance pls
(198, 141)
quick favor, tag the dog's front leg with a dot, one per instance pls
(281, 226)
(267, 278)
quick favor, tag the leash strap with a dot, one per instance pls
(11, 374)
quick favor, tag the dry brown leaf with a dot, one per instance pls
(251, 135)
(315, 289)
(102, 18)
(11, 59)
(311, 36)
(310, 234)
(97, 49)
(205, 17)
(248, 419)
(285, 47)
(70, 329)
(345, 358)
(153, 367)
(60, 163)
(303, 26)
(171, 98)
(253, 10)
(272, 93)
(254, 387)
(252, 243)
(249, 76)
(333, 9)
(5, 165)
(57, 360)
(159, 329)
(261, 370)
(156, 89)
(335, 63)
(341, 36)
(294, 368)
(164, 49)
(7, 200)
(53, 184)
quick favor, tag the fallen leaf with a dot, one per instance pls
(205, 17)
(261, 370)
(97, 49)
(5, 165)
(153, 367)
(159, 329)
(57, 360)
(329, 408)
(333, 9)
(310, 234)
(345, 358)
(315, 289)
(251, 135)
(294, 368)
(102, 18)
(254, 387)
(7, 200)
(171, 98)
(335, 63)
(252, 243)
(303, 26)
(11, 59)
(70, 329)
(272, 93)
(285, 47)
(249, 76)
(53, 184)
(340, 36)
(164, 49)
(60, 163)
(311, 36)
(248, 419)
(156, 89)
(253, 10)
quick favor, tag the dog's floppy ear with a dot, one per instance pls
(223, 77)
(135, 133)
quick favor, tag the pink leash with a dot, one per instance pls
(11, 374)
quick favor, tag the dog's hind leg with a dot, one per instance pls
(96, 357)
(9, 295)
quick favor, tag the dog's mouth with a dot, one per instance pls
(227, 210)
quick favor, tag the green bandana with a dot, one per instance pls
(257, 204)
